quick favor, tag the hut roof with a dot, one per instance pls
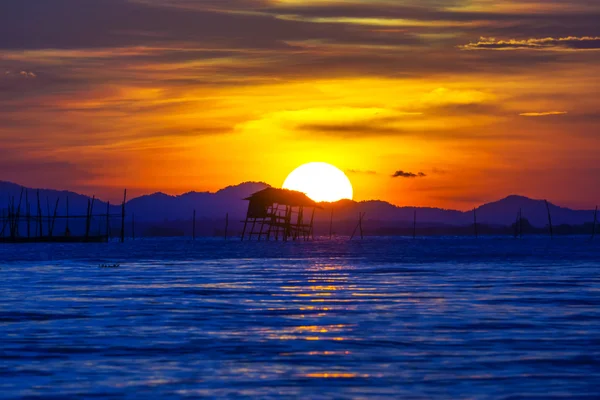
(284, 197)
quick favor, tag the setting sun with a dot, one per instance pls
(320, 181)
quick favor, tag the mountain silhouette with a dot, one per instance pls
(160, 207)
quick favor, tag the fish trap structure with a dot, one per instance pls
(20, 224)
(279, 214)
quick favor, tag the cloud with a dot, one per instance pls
(570, 43)
(361, 172)
(403, 174)
(27, 74)
(543, 114)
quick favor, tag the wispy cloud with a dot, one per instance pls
(571, 43)
(361, 172)
(404, 174)
(543, 114)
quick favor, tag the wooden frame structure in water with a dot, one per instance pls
(279, 214)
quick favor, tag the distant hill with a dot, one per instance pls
(505, 211)
(160, 208)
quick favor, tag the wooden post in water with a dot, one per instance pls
(123, 217)
(87, 221)
(107, 221)
(67, 230)
(4, 219)
(11, 213)
(331, 224)
(28, 214)
(361, 216)
(520, 223)
(54, 216)
(18, 214)
(194, 225)
(40, 214)
(475, 222)
(226, 224)
(549, 219)
(311, 232)
(594, 224)
(358, 226)
(245, 226)
(48, 221)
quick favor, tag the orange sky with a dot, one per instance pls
(483, 98)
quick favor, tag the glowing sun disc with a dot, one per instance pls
(320, 181)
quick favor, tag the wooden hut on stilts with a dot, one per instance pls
(279, 214)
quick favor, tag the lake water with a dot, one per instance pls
(432, 318)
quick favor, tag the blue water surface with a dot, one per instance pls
(432, 318)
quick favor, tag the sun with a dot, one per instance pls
(320, 181)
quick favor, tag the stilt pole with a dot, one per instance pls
(40, 214)
(54, 217)
(520, 223)
(549, 219)
(123, 217)
(107, 221)
(311, 232)
(244, 230)
(67, 230)
(595, 222)
(49, 221)
(475, 222)
(28, 214)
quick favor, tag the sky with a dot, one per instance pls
(445, 103)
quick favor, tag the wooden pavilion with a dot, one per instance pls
(279, 213)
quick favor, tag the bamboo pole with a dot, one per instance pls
(252, 229)
(358, 226)
(226, 224)
(311, 232)
(18, 214)
(40, 214)
(107, 221)
(11, 207)
(595, 221)
(54, 216)
(123, 217)
(10, 215)
(520, 223)
(87, 221)
(4, 222)
(48, 219)
(549, 219)
(67, 230)
(28, 214)
(245, 226)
